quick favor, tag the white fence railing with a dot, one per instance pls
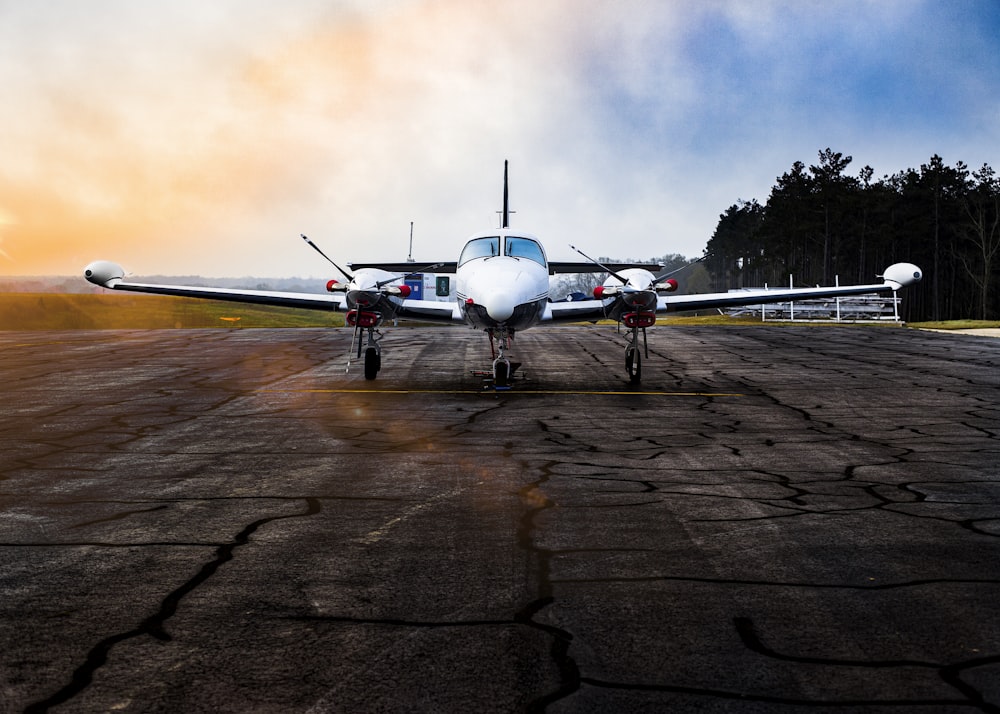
(873, 307)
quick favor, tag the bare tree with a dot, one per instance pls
(981, 233)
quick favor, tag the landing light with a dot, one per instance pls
(639, 319)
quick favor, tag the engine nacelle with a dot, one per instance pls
(667, 286)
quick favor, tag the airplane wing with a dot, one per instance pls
(563, 266)
(895, 277)
(591, 310)
(447, 266)
(112, 276)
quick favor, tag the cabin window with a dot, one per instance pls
(480, 248)
(525, 248)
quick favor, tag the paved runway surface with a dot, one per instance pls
(791, 519)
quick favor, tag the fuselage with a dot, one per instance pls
(502, 280)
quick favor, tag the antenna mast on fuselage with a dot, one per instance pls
(506, 205)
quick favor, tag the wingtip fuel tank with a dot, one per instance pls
(900, 275)
(104, 273)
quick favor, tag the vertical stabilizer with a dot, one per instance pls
(506, 207)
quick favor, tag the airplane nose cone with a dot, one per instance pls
(499, 306)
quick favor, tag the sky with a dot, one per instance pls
(203, 138)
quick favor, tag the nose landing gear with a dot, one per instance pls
(503, 369)
(501, 365)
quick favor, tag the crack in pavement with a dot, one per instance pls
(950, 673)
(154, 625)
(537, 503)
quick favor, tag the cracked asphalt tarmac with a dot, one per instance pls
(782, 518)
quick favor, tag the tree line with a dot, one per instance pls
(821, 224)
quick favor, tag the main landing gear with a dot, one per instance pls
(368, 321)
(636, 322)
(633, 361)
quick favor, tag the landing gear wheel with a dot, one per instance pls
(500, 374)
(373, 363)
(633, 365)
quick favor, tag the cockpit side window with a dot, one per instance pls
(525, 248)
(480, 248)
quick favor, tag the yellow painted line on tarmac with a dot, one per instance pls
(512, 392)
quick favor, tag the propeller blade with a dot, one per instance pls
(383, 283)
(660, 277)
(601, 265)
(316, 248)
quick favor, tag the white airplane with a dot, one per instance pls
(502, 288)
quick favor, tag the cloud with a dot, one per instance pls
(345, 114)
(190, 138)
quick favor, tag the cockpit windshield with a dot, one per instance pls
(480, 248)
(514, 247)
(525, 248)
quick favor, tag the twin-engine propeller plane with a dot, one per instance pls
(502, 288)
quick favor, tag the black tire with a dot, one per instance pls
(633, 365)
(500, 374)
(373, 363)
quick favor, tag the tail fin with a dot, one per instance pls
(506, 207)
